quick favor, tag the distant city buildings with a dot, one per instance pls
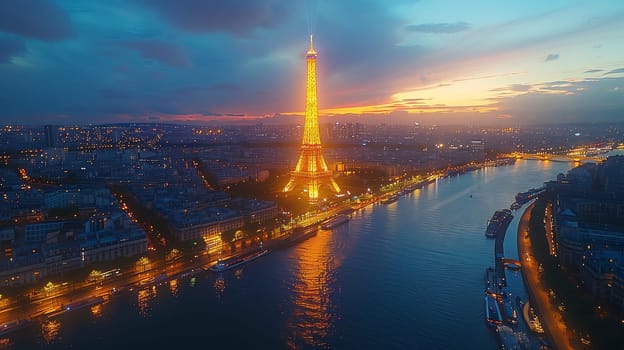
(57, 212)
(75, 226)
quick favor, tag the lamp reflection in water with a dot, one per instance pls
(219, 286)
(50, 330)
(96, 310)
(173, 287)
(144, 296)
(313, 287)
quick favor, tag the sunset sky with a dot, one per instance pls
(483, 62)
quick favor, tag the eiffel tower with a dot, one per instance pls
(311, 171)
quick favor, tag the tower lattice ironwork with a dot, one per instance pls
(311, 171)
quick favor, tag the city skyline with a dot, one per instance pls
(196, 61)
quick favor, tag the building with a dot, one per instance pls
(51, 135)
(477, 145)
(108, 237)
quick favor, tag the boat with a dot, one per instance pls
(492, 311)
(511, 314)
(299, 234)
(235, 261)
(335, 221)
(515, 206)
(531, 319)
(390, 199)
(498, 223)
(491, 285)
(524, 197)
(509, 340)
(13, 326)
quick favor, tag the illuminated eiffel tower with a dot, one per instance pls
(311, 171)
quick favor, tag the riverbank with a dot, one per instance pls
(559, 335)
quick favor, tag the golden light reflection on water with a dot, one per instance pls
(219, 286)
(173, 287)
(144, 296)
(96, 310)
(313, 314)
(50, 330)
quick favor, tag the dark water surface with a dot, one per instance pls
(407, 275)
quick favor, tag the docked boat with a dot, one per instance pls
(335, 221)
(492, 311)
(498, 223)
(299, 234)
(531, 319)
(491, 285)
(13, 326)
(511, 314)
(390, 199)
(235, 261)
(523, 197)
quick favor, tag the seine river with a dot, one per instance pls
(406, 275)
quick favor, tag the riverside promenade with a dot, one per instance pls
(560, 336)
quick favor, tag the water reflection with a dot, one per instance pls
(5, 343)
(219, 286)
(50, 330)
(313, 311)
(96, 310)
(144, 296)
(173, 287)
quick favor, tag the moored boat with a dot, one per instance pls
(498, 223)
(390, 199)
(523, 197)
(335, 221)
(492, 311)
(235, 261)
(299, 234)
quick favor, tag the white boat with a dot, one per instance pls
(335, 221)
(235, 261)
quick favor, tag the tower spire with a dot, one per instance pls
(311, 50)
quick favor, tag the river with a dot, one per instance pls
(405, 275)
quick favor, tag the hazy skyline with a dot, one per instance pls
(87, 61)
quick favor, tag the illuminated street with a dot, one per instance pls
(551, 319)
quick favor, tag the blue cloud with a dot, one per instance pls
(439, 28)
(164, 52)
(615, 71)
(238, 17)
(551, 57)
(37, 19)
(10, 47)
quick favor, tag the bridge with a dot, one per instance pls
(565, 158)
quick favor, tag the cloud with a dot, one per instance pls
(592, 100)
(161, 51)
(9, 48)
(37, 19)
(551, 57)
(519, 87)
(615, 71)
(238, 17)
(593, 71)
(439, 28)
